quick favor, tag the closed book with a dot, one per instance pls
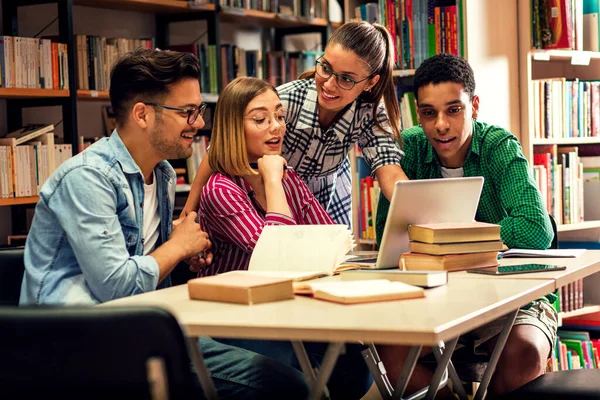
(454, 232)
(450, 262)
(359, 291)
(417, 278)
(455, 248)
(29, 132)
(240, 287)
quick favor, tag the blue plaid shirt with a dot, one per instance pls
(320, 157)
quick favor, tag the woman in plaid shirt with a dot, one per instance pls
(348, 98)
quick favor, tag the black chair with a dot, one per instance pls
(582, 384)
(93, 353)
(11, 275)
(554, 244)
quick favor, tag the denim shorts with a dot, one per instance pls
(538, 313)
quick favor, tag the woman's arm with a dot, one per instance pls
(193, 201)
(387, 176)
(271, 170)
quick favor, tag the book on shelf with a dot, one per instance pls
(417, 278)
(355, 292)
(548, 253)
(29, 132)
(301, 251)
(240, 287)
(455, 248)
(450, 262)
(454, 232)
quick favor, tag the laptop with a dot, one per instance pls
(424, 201)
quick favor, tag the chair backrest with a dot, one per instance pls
(83, 353)
(12, 268)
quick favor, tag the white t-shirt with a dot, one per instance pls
(151, 216)
(453, 172)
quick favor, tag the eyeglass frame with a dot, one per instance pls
(269, 123)
(337, 75)
(189, 111)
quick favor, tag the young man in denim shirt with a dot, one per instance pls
(103, 226)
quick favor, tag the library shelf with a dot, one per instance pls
(366, 241)
(335, 25)
(575, 57)
(570, 141)
(589, 309)
(13, 201)
(25, 93)
(579, 226)
(264, 19)
(149, 6)
(403, 72)
(93, 95)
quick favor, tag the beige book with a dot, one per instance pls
(354, 292)
(301, 251)
(455, 248)
(450, 262)
(454, 232)
(240, 287)
(417, 278)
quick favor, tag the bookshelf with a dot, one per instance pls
(19, 201)
(24, 93)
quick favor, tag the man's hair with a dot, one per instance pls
(228, 151)
(145, 75)
(445, 68)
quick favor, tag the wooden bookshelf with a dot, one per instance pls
(23, 93)
(14, 201)
(589, 309)
(264, 19)
(569, 141)
(93, 95)
(335, 25)
(579, 226)
(403, 72)
(575, 57)
(149, 6)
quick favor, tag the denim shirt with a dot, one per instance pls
(85, 245)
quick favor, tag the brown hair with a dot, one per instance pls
(228, 152)
(145, 75)
(372, 44)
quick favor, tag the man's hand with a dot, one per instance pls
(197, 263)
(189, 237)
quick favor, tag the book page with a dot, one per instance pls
(373, 287)
(550, 253)
(302, 248)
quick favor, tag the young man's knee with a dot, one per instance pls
(527, 349)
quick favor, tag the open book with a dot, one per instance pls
(354, 292)
(549, 253)
(300, 252)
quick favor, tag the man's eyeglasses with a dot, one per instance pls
(262, 119)
(192, 113)
(343, 81)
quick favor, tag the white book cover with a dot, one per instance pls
(29, 132)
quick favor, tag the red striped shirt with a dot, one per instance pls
(234, 219)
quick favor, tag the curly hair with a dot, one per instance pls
(445, 68)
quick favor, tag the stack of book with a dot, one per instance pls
(452, 246)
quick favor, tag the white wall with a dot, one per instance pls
(492, 50)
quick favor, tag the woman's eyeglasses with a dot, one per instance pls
(262, 119)
(343, 81)
(192, 113)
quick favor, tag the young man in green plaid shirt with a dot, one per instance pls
(450, 142)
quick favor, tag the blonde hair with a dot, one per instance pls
(228, 152)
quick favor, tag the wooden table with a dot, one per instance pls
(442, 316)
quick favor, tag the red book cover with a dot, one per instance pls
(561, 24)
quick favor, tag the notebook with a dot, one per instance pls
(424, 201)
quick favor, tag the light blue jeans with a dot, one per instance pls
(243, 374)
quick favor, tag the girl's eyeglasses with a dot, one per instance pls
(262, 119)
(343, 81)
(192, 113)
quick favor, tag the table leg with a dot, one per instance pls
(456, 382)
(441, 369)
(487, 376)
(407, 369)
(208, 386)
(378, 371)
(331, 355)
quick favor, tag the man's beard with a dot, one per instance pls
(169, 150)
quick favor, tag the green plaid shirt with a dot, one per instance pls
(509, 196)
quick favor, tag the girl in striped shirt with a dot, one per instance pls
(239, 200)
